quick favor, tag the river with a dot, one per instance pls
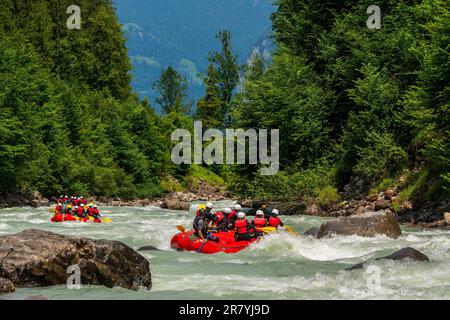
(281, 266)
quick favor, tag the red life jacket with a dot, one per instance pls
(259, 222)
(57, 209)
(219, 217)
(83, 201)
(80, 210)
(75, 202)
(96, 212)
(60, 200)
(241, 225)
(91, 211)
(231, 215)
(274, 221)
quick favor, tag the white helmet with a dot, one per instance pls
(259, 213)
(275, 212)
(237, 207)
(81, 197)
(227, 210)
(209, 205)
(241, 215)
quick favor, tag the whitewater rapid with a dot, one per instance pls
(280, 266)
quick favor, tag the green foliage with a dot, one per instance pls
(348, 101)
(69, 120)
(172, 89)
(384, 185)
(328, 194)
(197, 172)
(220, 83)
(210, 107)
(371, 103)
(308, 185)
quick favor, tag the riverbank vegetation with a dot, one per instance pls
(358, 110)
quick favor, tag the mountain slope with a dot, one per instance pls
(181, 33)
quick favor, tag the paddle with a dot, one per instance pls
(207, 237)
(181, 228)
(105, 220)
(268, 229)
(291, 231)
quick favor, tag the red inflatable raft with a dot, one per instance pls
(68, 217)
(186, 241)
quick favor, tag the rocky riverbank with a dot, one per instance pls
(420, 214)
(425, 215)
(202, 191)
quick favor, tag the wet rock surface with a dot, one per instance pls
(6, 286)
(402, 254)
(366, 225)
(35, 258)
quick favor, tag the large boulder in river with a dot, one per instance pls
(367, 224)
(402, 254)
(36, 258)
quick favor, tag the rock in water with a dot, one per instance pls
(312, 232)
(36, 258)
(148, 248)
(405, 253)
(6, 286)
(366, 225)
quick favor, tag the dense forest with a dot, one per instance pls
(358, 109)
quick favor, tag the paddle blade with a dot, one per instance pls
(106, 220)
(268, 229)
(292, 231)
(181, 228)
(52, 210)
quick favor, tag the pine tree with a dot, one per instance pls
(172, 89)
(209, 108)
(226, 73)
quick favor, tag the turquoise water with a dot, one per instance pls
(281, 266)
